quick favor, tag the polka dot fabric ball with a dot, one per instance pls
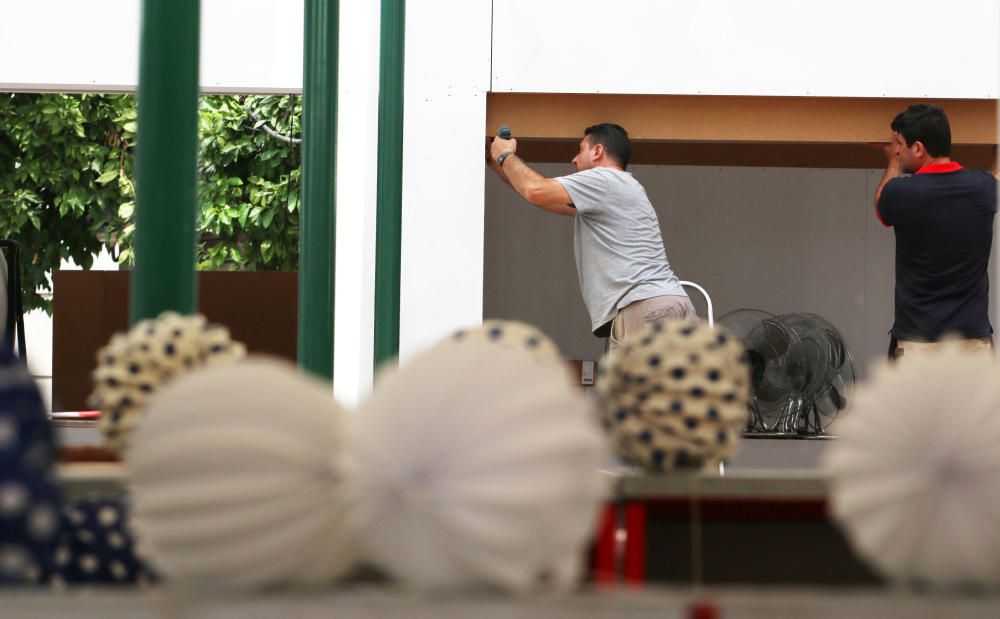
(95, 546)
(29, 499)
(675, 396)
(517, 335)
(133, 366)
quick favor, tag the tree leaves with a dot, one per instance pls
(66, 181)
(107, 177)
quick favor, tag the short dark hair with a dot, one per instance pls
(614, 139)
(897, 123)
(926, 123)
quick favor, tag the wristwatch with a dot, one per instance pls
(503, 157)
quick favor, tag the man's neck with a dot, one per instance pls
(610, 164)
(934, 160)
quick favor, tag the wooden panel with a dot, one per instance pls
(785, 155)
(260, 309)
(727, 119)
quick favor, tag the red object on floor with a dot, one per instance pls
(635, 543)
(703, 609)
(604, 551)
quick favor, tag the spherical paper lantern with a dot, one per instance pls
(914, 472)
(474, 464)
(675, 395)
(512, 334)
(234, 479)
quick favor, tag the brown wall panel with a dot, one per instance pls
(727, 119)
(260, 308)
(786, 155)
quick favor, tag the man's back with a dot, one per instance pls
(943, 218)
(618, 245)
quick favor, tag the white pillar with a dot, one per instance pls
(448, 48)
(357, 147)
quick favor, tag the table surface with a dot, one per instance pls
(810, 484)
(384, 603)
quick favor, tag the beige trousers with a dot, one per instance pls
(906, 350)
(633, 317)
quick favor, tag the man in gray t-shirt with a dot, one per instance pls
(625, 278)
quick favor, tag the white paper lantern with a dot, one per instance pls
(512, 334)
(476, 464)
(914, 473)
(133, 366)
(234, 481)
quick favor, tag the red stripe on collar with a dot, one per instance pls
(940, 168)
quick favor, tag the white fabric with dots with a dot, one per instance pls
(675, 395)
(514, 335)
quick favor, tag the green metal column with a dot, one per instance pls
(166, 160)
(317, 228)
(390, 181)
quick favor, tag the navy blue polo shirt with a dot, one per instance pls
(943, 219)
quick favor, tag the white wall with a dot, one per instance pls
(725, 47)
(447, 76)
(68, 45)
(850, 48)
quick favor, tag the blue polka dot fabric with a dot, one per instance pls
(95, 546)
(29, 497)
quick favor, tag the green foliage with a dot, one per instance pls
(63, 165)
(66, 181)
(249, 183)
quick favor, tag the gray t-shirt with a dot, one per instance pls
(619, 249)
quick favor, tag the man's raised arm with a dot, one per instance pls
(545, 193)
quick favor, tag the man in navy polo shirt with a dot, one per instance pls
(943, 218)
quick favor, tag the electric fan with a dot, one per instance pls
(828, 374)
(777, 365)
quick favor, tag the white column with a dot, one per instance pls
(357, 147)
(448, 47)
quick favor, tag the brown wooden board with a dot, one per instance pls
(753, 154)
(728, 119)
(260, 309)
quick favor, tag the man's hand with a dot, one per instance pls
(891, 151)
(893, 166)
(501, 146)
(490, 161)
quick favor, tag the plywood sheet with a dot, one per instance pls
(759, 154)
(728, 119)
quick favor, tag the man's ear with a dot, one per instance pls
(599, 151)
(919, 150)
